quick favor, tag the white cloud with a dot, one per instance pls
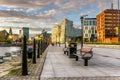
(51, 12)
(56, 9)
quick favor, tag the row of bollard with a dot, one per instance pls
(41, 48)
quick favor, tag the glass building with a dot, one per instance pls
(25, 31)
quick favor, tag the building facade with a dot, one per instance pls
(89, 29)
(3, 34)
(64, 32)
(54, 33)
(107, 25)
(24, 31)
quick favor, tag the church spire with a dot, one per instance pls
(10, 31)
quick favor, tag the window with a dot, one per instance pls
(86, 27)
(86, 35)
(89, 31)
(94, 22)
(85, 23)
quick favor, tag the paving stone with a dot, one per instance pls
(103, 64)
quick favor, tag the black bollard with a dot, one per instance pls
(85, 62)
(34, 52)
(77, 58)
(24, 58)
(38, 55)
(41, 47)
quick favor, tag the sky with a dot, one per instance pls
(46, 13)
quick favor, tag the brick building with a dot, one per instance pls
(107, 25)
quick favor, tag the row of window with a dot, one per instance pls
(89, 31)
(86, 22)
(92, 28)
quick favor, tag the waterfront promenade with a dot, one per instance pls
(105, 65)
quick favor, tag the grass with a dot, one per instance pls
(17, 71)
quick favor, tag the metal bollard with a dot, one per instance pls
(34, 52)
(77, 58)
(85, 62)
(38, 55)
(24, 58)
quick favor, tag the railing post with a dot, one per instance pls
(24, 57)
(41, 47)
(34, 52)
(38, 55)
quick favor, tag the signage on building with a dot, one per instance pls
(116, 28)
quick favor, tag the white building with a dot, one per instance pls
(89, 28)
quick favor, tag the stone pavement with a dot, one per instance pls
(105, 65)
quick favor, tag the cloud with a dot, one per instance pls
(50, 11)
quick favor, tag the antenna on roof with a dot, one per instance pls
(111, 5)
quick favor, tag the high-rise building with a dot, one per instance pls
(89, 29)
(25, 31)
(64, 32)
(107, 25)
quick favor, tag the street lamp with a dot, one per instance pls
(56, 40)
(81, 18)
(59, 32)
(118, 23)
(65, 36)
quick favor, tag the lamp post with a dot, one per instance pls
(59, 32)
(82, 18)
(118, 23)
(65, 36)
(56, 40)
(59, 39)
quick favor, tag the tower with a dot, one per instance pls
(10, 31)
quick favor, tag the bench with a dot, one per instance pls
(86, 54)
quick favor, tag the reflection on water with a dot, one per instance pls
(3, 50)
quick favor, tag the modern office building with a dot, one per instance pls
(64, 32)
(107, 25)
(24, 31)
(89, 29)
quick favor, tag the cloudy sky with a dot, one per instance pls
(46, 13)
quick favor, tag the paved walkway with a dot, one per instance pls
(105, 65)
